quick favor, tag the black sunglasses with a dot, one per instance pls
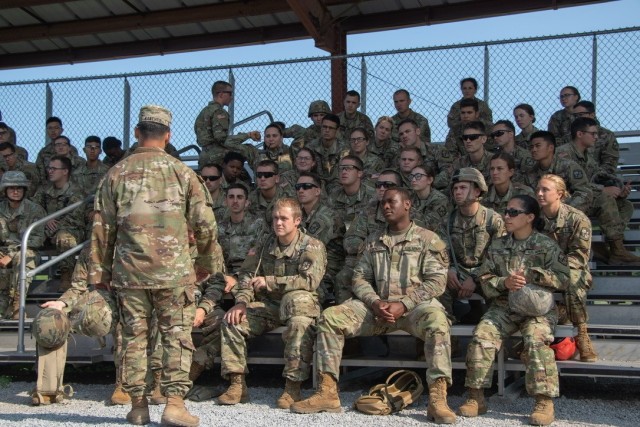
(211, 177)
(499, 133)
(265, 174)
(513, 212)
(305, 186)
(471, 137)
(385, 184)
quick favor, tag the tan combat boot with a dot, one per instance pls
(438, 411)
(195, 371)
(620, 254)
(65, 279)
(587, 353)
(237, 391)
(156, 395)
(176, 414)
(139, 413)
(475, 404)
(14, 310)
(290, 395)
(542, 414)
(325, 399)
(119, 396)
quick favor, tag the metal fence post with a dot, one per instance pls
(594, 69)
(363, 85)
(232, 82)
(48, 108)
(126, 114)
(486, 74)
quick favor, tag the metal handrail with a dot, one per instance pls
(22, 280)
(189, 147)
(253, 116)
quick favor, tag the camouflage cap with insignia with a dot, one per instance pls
(155, 114)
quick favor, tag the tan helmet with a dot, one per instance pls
(51, 328)
(14, 179)
(319, 106)
(95, 314)
(470, 175)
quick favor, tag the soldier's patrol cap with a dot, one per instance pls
(155, 114)
(14, 179)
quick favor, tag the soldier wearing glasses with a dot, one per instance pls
(560, 121)
(268, 192)
(476, 156)
(13, 162)
(88, 175)
(371, 163)
(329, 149)
(503, 135)
(213, 180)
(606, 151)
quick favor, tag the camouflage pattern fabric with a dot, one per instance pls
(88, 178)
(292, 276)
(523, 138)
(30, 171)
(387, 152)
(328, 161)
(346, 207)
(544, 265)
(382, 273)
(499, 203)
(486, 115)
(42, 160)
(237, 239)
(359, 120)
(301, 137)
(571, 229)
(560, 126)
(212, 125)
(484, 165)
(423, 124)
(523, 162)
(606, 151)
(51, 328)
(432, 212)
(261, 207)
(440, 159)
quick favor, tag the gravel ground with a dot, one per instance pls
(88, 407)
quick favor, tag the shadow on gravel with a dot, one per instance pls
(67, 418)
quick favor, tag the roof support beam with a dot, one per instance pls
(317, 20)
(9, 4)
(185, 15)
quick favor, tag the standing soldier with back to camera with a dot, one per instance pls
(139, 245)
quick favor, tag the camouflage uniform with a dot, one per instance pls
(387, 152)
(523, 162)
(574, 177)
(261, 208)
(483, 166)
(606, 151)
(110, 161)
(546, 266)
(431, 213)
(292, 276)
(328, 161)
(212, 128)
(571, 229)
(281, 156)
(359, 120)
(369, 220)
(87, 178)
(209, 348)
(613, 213)
(30, 171)
(237, 238)
(439, 158)
(411, 269)
(523, 138)
(373, 165)
(498, 203)
(423, 124)
(301, 137)
(13, 222)
(169, 149)
(486, 116)
(219, 208)
(71, 226)
(560, 126)
(42, 161)
(468, 241)
(152, 188)
(453, 142)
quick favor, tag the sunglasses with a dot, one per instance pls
(471, 137)
(348, 168)
(385, 184)
(265, 174)
(211, 177)
(305, 186)
(512, 212)
(499, 133)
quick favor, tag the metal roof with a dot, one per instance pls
(48, 32)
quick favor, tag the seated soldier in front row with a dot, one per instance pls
(277, 286)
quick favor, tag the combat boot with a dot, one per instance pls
(475, 404)
(237, 391)
(290, 395)
(325, 399)
(587, 353)
(542, 414)
(195, 371)
(156, 395)
(14, 311)
(65, 279)
(620, 255)
(119, 396)
(437, 410)
(139, 413)
(176, 414)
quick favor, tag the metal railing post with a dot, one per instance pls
(594, 69)
(48, 108)
(486, 74)
(22, 278)
(251, 117)
(363, 85)
(126, 115)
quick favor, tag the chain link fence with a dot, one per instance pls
(602, 65)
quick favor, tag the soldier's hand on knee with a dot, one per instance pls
(200, 314)
(467, 288)
(230, 283)
(381, 311)
(397, 309)
(236, 314)
(52, 226)
(58, 305)
(452, 279)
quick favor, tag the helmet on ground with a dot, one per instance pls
(564, 348)
(319, 106)
(531, 300)
(470, 175)
(14, 179)
(51, 328)
(95, 314)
